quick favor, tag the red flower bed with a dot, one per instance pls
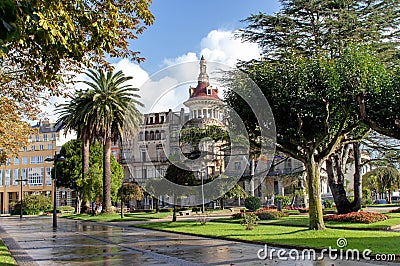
(357, 217)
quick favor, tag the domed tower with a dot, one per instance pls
(203, 100)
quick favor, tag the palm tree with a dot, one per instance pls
(72, 119)
(109, 106)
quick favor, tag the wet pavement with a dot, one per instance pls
(33, 241)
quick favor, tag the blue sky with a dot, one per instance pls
(182, 32)
(180, 25)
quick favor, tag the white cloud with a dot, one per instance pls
(130, 69)
(189, 57)
(222, 47)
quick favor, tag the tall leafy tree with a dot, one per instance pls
(314, 106)
(128, 192)
(316, 80)
(179, 176)
(112, 104)
(386, 180)
(43, 42)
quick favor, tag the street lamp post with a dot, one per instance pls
(202, 190)
(55, 160)
(20, 207)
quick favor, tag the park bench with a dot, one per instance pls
(187, 212)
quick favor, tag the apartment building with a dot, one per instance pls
(31, 165)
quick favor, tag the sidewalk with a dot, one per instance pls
(33, 241)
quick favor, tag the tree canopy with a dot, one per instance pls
(324, 64)
(42, 43)
(69, 173)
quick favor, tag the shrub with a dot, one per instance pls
(358, 217)
(328, 204)
(65, 209)
(249, 220)
(284, 199)
(34, 204)
(252, 203)
(270, 214)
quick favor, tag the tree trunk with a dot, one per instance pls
(303, 188)
(107, 176)
(78, 203)
(85, 157)
(315, 206)
(122, 209)
(343, 205)
(221, 203)
(174, 214)
(157, 201)
(356, 204)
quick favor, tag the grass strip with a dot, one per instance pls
(377, 241)
(5, 256)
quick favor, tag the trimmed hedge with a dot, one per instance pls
(270, 214)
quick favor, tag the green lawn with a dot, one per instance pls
(377, 241)
(116, 217)
(5, 257)
(303, 220)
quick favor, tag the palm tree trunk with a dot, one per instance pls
(85, 168)
(107, 176)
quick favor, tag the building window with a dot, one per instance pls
(157, 135)
(25, 148)
(144, 173)
(23, 175)
(16, 161)
(35, 176)
(45, 137)
(37, 138)
(238, 166)
(24, 160)
(209, 90)
(36, 159)
(48, 176)
(151, 135)
(53, 136)
(151, 120)
(143, 156)
(32, 148)
(8, 161)
(41, 147)
(146, 135)
(8, 177)
(49, 146)
(141, 136)
(162, 119)
(15, 176)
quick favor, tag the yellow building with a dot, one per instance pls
(30, 165)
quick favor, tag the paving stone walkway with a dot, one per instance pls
(33, 241)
